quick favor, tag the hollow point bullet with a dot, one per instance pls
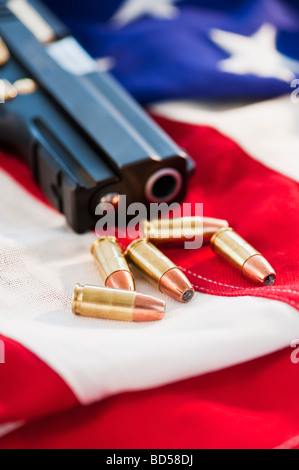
(159, 269)
(181, 230)
(234, 249)
(116, 304)
(112, 264)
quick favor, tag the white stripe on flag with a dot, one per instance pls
(268, 131)
(41, 261)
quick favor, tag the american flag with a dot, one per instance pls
(220, 78)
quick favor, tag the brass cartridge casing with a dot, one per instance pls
(30, 17)
(116, 304)
(180, 230)
(112, 264)
(160, 270)
(234, 249)
(4, 53)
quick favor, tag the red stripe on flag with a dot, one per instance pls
(29, 388)
(253, 405)
(259, 203)
(21, 173)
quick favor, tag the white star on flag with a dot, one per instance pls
(130, 10)
(256, 54)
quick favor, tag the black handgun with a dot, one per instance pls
(86, 140)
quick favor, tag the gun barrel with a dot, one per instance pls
(81, 133)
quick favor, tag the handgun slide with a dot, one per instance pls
(83, 136)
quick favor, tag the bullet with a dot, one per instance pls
(116, 304)
(4, 53)
(112, 264)
(159, 269)
(234, 249)
(25, 86)
(181, 230)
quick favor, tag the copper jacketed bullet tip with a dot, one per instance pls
(112, 264)
(121, 280)
(147, 308)
(116, 304)
(175, 284)
(159, 269)
(236, 251)
(257, 270)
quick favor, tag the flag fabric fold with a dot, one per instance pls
(245, 406)
(42, 260)
(222, 49)
(246, 172)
